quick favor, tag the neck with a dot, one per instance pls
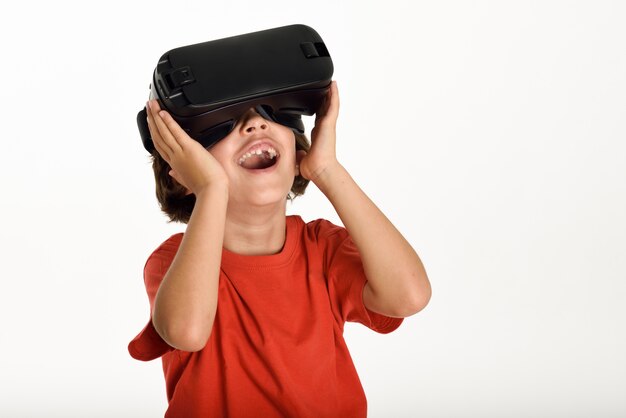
(256, 231)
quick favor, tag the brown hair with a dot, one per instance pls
(178, 206)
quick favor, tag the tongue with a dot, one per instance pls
(256, 162)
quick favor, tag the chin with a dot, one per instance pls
(260, 198)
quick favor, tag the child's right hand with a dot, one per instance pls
(192, 165)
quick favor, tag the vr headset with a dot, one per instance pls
(283, 73)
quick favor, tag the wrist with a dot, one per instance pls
(332, 175)
(215, 189)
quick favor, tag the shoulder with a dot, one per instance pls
(324, 230)
(325, 238)
(164, 253)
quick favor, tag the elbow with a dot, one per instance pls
(411, 307)
(183, 336)
(420, 301)
(190, 341)
(401, 304)
(417, 299)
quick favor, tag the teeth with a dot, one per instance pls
(270, 151)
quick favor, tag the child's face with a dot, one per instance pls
(259, 158)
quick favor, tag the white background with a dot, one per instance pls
(491, 133)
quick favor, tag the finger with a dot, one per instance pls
(182, 139)
(333, 100)
(330, 107)
(153, 108)
(321, 112)
(154, 132)
(160, 146)
(166, 135)
(154, 105)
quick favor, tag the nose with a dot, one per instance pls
(252, 122)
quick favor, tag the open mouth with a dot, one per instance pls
(259, 157)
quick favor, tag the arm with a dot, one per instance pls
(397, 282)
(186, 302)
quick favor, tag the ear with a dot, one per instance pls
(300, 154)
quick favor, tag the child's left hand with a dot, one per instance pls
(322, 154)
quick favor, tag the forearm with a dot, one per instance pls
(186, 302)
(395, 273)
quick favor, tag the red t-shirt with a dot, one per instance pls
(276, 348)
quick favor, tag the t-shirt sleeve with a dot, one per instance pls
(346, 281)
(148, 344)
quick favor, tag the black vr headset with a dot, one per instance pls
(283, 73)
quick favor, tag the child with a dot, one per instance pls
(248, 306)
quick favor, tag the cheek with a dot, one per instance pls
(220, 152)
(288, 139)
